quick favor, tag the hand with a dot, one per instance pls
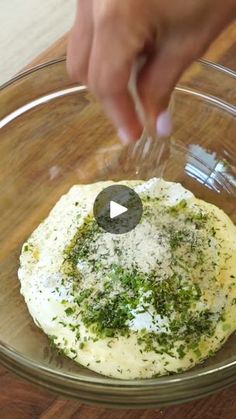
(108, 36)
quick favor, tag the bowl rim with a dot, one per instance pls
(7, 353)
(49, 63)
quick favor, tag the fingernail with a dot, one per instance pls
(164, 124)
(124, 137)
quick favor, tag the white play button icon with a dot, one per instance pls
(116, 210)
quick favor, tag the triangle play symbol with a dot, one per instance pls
(116, 209)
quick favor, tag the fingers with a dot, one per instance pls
(157, 81)
(99, 56)
(109, 35)
(110, 67)
(80, 42)
(109, 82)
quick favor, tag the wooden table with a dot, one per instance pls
(21, 400)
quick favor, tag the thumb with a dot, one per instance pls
(155, 85)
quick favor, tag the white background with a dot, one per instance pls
(27, 28)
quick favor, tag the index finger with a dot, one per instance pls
(110, 68)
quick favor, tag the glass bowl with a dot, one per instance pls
(53, 135)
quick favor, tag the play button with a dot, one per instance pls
(118, 209)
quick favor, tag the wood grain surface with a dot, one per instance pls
(22, 400)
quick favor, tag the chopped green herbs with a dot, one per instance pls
(176, 209)
(109, 304)
(52, 339)
(69, 311)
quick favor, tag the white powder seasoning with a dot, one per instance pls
(162, 296)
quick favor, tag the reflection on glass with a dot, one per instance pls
(205, 167)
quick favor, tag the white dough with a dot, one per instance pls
(200, 253)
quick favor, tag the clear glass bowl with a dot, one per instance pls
(53, 135)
